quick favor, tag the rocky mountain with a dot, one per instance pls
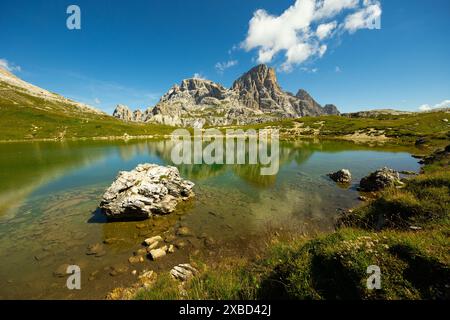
(331, 109)
(19, 92)
(255, 97)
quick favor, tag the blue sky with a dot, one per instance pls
(132, 52)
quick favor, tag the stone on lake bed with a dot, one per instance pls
(158, 253)
(154, 245)
(184, 232)
(140, 252)
(152, 240)
(135, 259)
(61, 271)
(148, 190)
(180, 244)
(118, 269)
(96, 250)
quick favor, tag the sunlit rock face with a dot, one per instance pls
(147, 190)
(124, 113)
(256, 97)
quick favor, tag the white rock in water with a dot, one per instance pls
(152, 240)
(158, 253)
(183, 272)
(148, 189)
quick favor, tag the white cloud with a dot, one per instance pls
(5, 64)
(364, 18)
(299, 32)
(97, 101)
(427, 107)
(309, 70)
(222, 66)
(331, 8)
(198, 76)
(324, 30)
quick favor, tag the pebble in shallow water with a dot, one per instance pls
(158, 253)
(96, 250)
(184, 232)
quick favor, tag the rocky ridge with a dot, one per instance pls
(255, 97)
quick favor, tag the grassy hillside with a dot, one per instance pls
(403, 231)
(25, 117)
(432, 125)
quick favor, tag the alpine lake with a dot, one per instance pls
(50, 193)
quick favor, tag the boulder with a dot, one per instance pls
(147, 190)
(122, 112)
(183, 272)
(341, 176)
(158, 253)
(153, 240)
(380, 179)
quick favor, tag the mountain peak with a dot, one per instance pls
(261, 74)
(258, 85)
(255, 97)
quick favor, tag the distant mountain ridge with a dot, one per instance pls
(255, 97)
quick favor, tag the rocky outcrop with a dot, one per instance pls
(147, 190)
(331, 109)
(138, 116)
(255, 97)
(342, 176)
(124, 113)
(379, 180)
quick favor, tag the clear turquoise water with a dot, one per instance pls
(49, 193)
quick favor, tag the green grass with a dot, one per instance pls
(408, 127)
(26, 117)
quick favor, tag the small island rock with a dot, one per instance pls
(380, 179)
(147, 190)
(341, 176)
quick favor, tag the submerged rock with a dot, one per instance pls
(135, 259)
(341, 176)
(147, 190)
(96, 249)
(61, 271)
(184, 231)
(380, 179)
